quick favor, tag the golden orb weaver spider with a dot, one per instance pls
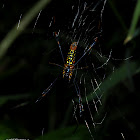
(68, 69)
(70, 64)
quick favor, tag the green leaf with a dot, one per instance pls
(9, 129)
(14, 33)
(6, 132)
(4, 99)
(125, 71)
(134, 22)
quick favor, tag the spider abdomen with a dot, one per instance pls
(69, 66)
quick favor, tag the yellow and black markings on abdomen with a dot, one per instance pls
(69, 66)
(71, 57)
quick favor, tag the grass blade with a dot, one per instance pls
(133, 23)
(115, 78)
(14, 33)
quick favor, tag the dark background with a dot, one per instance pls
(25, 72)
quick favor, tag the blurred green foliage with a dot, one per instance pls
(25, 72)
(68, 134)
(133, 32)
(15, 32)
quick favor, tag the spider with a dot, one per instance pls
(69, 65)
(68, 69)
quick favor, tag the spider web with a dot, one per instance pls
(82, 24)
(86, 24)
(85, 27)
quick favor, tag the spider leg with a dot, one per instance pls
(81, 107)
(56, 64)
(57, 39)
(79, 98)
(46, 90)
(81, 68)
(74, 115)
(95, 40)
